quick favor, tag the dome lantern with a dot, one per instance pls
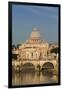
(35, 33)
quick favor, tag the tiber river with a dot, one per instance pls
(27, 78)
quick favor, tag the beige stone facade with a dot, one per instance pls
(34, 47)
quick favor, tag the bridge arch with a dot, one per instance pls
(47, 65)
(28, 66)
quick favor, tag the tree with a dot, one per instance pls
(18, 45)
(55, 50)
(13, 46)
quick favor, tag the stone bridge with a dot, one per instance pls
(35, 63)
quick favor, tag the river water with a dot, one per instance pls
(27, 78)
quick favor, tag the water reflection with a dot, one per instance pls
(26, 78)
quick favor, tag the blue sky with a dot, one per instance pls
(24, 18)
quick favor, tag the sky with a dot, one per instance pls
(25, 18)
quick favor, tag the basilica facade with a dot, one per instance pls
(34, 48)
